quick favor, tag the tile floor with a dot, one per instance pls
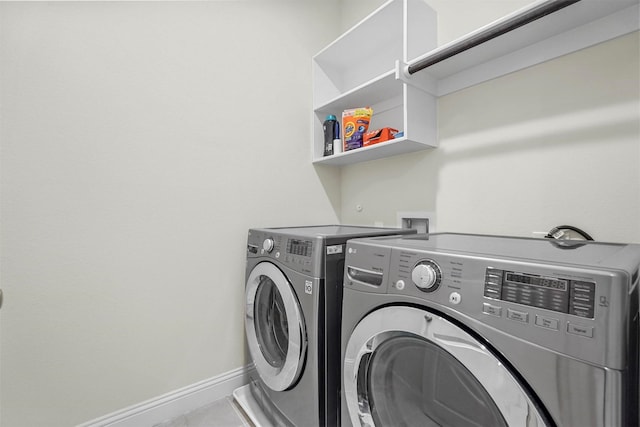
(221, 413)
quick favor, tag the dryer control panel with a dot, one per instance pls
(576, 297)
(575, 302)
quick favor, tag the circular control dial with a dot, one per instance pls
(268, 245)
(426, 275)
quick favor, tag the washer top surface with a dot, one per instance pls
(333, 230)
(557, 251)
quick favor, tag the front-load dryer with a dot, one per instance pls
(293, 307)
(467, 330)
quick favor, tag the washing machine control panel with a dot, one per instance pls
(299, 247)
(296, 253)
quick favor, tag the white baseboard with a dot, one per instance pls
(176, 403)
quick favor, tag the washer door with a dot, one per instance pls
(275, 328)
(407, 367)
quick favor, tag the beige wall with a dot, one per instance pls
(558, 143)
(140, 140)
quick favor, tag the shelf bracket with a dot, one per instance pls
(421, 81)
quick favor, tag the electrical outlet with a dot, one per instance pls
(423, 222)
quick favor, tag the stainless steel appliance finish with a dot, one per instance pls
(469, 330)
(293, 307)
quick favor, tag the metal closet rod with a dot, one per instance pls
(511, 24)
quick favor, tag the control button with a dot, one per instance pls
(277, 254)
(520, 316)
(400, 285)
(494, 272)
(268, 245)
(547, 322)
(455, 298)
(492, 278)
(493, 310)
(583, 286)
(491, 293)
(585, 331)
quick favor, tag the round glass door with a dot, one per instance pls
(270, 321)
(407, 367)
(275, 327)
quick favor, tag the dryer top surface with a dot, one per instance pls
(614, 255)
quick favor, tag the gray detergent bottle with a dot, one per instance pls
(331, 128)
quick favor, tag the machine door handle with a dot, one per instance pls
(1, 298)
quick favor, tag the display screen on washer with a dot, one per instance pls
(299, 247)
(545, 282)
(551, 293)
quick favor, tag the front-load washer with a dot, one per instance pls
(469, 330)
(293, 307)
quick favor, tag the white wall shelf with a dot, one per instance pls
(373, 152)
(361, 68)
(368, 65)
